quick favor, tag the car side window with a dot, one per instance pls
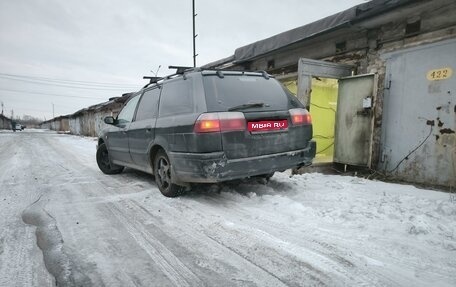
(176, 97)
(148, 106)
(126, 114)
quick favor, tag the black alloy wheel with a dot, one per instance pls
(104, 163)
(163, 176)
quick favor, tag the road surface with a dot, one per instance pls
(65, 222)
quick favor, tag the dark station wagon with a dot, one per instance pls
(206, 126)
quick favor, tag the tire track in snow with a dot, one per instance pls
(354, 268)
(266, 224)
(254, 247)
(265, 230)
(50, 241)
(267, 261)
(174, 269)
(212, 246)
(21, 262)
(16, 271)
(138, 235)
(58, 160)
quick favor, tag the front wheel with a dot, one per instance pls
(104, 163)
(163, 176)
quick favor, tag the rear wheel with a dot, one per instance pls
(104, 163)
(163, 176)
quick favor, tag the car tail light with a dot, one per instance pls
(220, 122)
(207, 123)
(300, 117)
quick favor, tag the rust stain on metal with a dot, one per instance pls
(440, 124)
(447, 131)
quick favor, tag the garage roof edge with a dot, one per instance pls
(346, 17)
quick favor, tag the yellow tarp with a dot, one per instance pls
(323, 106)
(291, 85)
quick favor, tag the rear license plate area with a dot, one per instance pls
(267, 126)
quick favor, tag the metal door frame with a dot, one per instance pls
(308, 68)
(372, 120)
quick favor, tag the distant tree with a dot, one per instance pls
(29, 121)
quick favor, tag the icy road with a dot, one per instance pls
(63, 221)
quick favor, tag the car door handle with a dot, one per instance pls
(148, 130)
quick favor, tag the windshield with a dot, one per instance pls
(238, 90)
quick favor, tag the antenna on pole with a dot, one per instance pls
(194, 35)
(156, 72)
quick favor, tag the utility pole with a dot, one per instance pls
(53, 117)
(2, 108)
(194, 35)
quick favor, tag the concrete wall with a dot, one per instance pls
(64, 124)
(99, 120)
(56, 125)
(60, 124)
(75, 125)
(5, 123)
(90, 122)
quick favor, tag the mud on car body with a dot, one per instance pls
(206, 126)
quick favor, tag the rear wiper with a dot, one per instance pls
(246, 106)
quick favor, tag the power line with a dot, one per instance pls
(32, 110)
(67, 86)
(49, 94)
(65, 81)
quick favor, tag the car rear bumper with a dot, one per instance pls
(215, 167)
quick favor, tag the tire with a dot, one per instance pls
(163, 176)
(104, 163)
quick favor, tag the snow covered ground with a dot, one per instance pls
(301, 230)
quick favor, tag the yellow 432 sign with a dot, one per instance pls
(439, 74)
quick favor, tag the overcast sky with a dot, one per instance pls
(70, 54)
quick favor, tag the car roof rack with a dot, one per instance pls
(265, 75)
(153, 80)
(220, 72)
(180, 69)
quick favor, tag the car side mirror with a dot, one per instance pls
(109, 120)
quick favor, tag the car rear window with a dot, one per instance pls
(235, 90)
